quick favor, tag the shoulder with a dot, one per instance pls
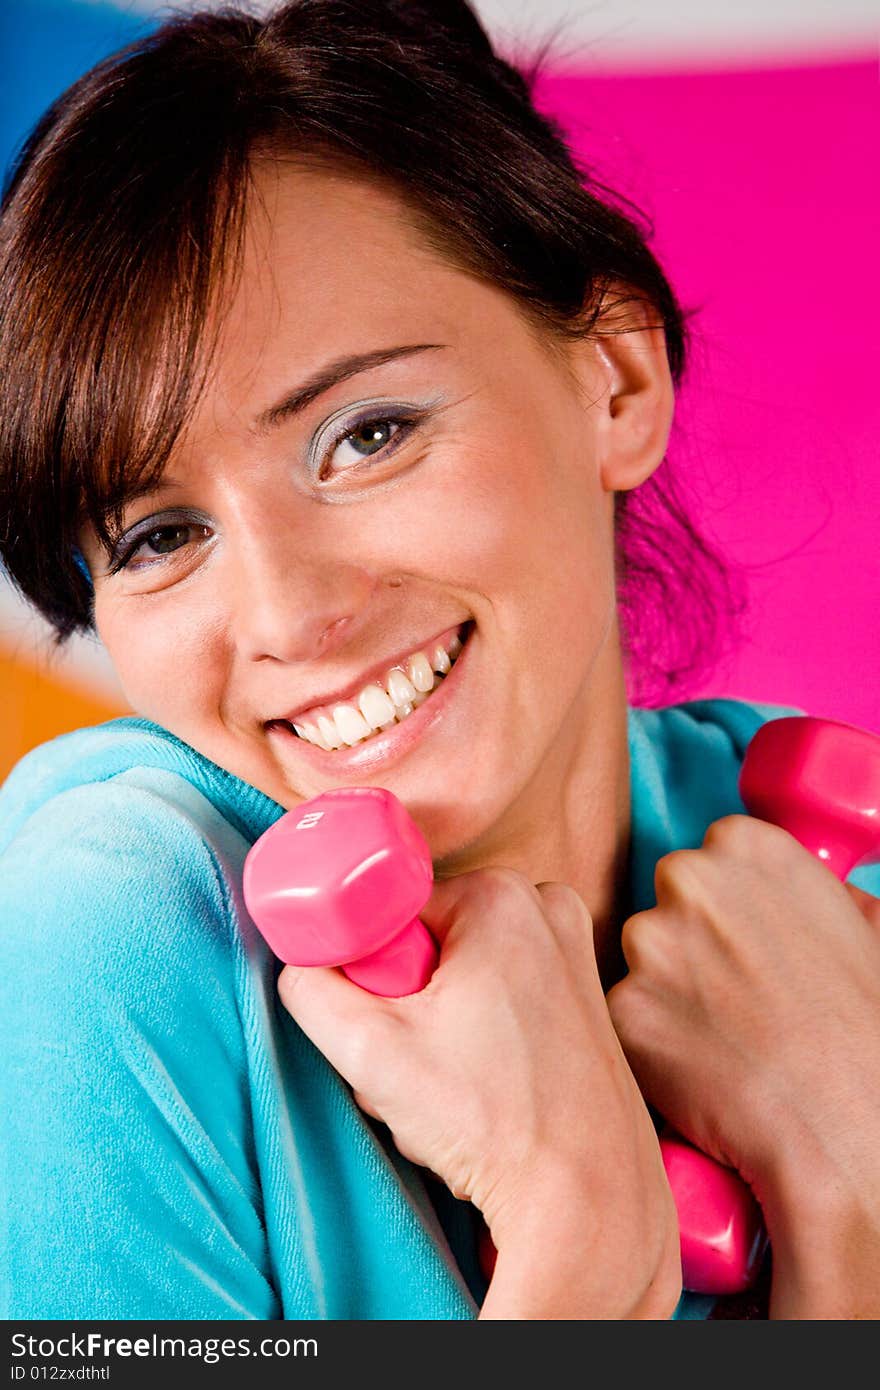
(685, 764)
(116, 854)
(129, 745)
(125, 950)
(721, 723)
(110, 853)
(131, 999)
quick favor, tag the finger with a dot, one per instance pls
(565, 907)
(344, 1021)
(483, 897)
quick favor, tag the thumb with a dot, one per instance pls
(450, 900)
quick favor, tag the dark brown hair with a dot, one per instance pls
(125, 208)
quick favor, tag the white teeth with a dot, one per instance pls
(329, 732)
(420, 673)
(351, 725)
(312, 734)
(376, 707)
(440, 661)
(400, 689)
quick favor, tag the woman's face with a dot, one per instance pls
(388, 460)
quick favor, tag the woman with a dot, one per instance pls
(328, 390)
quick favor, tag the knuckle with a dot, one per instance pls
(626, 1008)
(564, 903)
(369, 1044)
(759, 843)
(290, 986)
(645, 941)
(499, 887)
(732, 834)
(677, 874)
(617, 1001)
(639, 1019)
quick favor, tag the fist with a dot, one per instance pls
(751, 1011)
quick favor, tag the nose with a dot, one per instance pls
(291, 606)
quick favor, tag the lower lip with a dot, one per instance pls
(381, 749)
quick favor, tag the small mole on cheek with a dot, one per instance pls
(394, 583)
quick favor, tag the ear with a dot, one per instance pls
(637, 400)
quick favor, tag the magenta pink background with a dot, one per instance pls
(762, 186)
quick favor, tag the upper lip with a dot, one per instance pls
(375, 672)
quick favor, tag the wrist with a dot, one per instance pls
(827, 1263)
(566, 1253)
(821, 1204)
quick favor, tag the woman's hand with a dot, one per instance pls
(751, 1018)
(504, 1076)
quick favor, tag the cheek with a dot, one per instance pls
(532, 531)
(168, 667)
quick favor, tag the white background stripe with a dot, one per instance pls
(671, 31)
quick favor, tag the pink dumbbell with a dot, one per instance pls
(341, 880)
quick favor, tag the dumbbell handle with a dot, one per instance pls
(403, 965)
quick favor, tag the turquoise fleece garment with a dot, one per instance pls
(174, 1147)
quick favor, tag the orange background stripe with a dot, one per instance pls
(37, 707)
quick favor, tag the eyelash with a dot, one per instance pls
(405, 423)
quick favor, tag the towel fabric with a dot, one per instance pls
(174, 1147)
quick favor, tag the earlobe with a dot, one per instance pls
(639, 404)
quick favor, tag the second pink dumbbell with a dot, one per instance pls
(341, 880)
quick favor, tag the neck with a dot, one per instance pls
(571, 823)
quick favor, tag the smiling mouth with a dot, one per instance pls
(381, 703)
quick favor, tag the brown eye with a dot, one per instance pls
(155, 543)
(371, 437)
(166, 538)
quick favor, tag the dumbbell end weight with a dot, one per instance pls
(820, 780)
(723, 1238)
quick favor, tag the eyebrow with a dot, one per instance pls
(331, 375)
(302, 396)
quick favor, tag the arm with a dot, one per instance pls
(823, 1204)
(751, 1016)
(504, 1077)
(129, 1190)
